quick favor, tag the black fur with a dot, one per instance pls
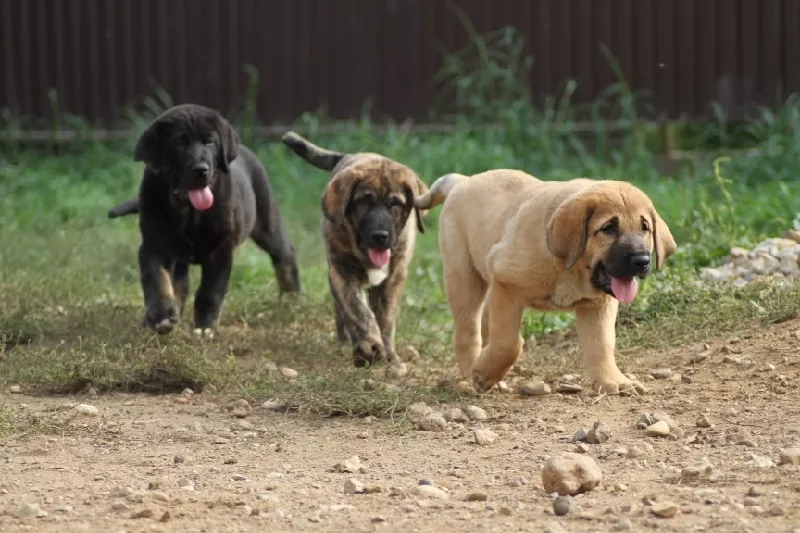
(189, 147)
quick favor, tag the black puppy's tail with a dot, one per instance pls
(319, 157)
(128, 207)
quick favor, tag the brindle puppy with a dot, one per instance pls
(369, 238)
(201, 196)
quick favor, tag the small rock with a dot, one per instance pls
(289, 374)
(87, 410)
(428, 491)
(239, 412)
(761, 461)
(119, 506)
(15, 389)
(63, 509)
(165, 516)
(699, 469)
(665, 509)
(476, 413)
(433, 422)
(397, 370)
(776, 510)
(570, 473)
(221, 440)
(178, 459)
(637, 451)
(581, 435)
(426, 482)
(238, 477)
(598, 434)
(484, 437)
(477, 497)
(754, 491)
(455, 415)
(272, 405)
(30, 510)
(353, 486)
(534, 388)
(750, 501)
(661, 416)
(350, 466)
(144, 513)
(186, 484)
(416, 411)
(703, 422)
(659, 429)
(568, 388)
(518, 481)
(623, 524)
(644, 421)
(790, 456)
(661, 373)
(562, 505)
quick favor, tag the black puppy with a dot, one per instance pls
(202, 194)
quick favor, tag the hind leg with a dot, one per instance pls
(282, 254)
(505, 343)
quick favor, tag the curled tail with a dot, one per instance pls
(319, 157)
(439, 190)
(128, 207)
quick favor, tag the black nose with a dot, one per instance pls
(201, 169)
(641, 261)
(380, 237)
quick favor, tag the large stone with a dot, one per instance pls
(570, 473)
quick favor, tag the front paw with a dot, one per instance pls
(162, 318)
(204, 333)
(614, 382)
(368, 352)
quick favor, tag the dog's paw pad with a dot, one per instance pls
(164, 326)
(205, 333)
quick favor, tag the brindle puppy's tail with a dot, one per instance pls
(319, 157)
(439, 190)
(128, 207)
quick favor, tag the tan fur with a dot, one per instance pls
(510, 241)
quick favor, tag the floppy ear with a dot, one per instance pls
(336, 199)
(228, 143)
(417, 189)
(664, 244)
(149, 148)
(568, 230)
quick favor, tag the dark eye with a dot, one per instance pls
(610, 228)
(645, 226)
(396, 202)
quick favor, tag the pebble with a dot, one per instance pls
(221, 440)
(701, 468)
(636, 451)
(186, 484)
(477, 497)
(665, 509)
(63, 509)
(397, 370)
(659, 429)
(416, 411)
(581, 435)
(289, 374)
(455, 415)
(484, 437)
(661, 373)
(518, 481)
(353, 486)
(272, 405)
(178, 459)
(761, 461)
(30, 510)
(429, 491)
(350, 466)
(790, 456)
(776, 510)
(568, 388)
(238, 477)
(433, 422)
(476, 413)
(86, 409)
(570, 473)
(119, 506)
(750, 501)
(144, 513)
(15, 389)
(703, 422)
(623, 524)
(599, 433)
(562, 505)
(534, 388)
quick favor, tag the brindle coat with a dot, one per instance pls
(366, 205)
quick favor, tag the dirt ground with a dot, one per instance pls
(177, 463)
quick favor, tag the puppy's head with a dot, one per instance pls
(372, 197)
(191, 146)
(611, 231)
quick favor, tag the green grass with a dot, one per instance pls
(70, 301)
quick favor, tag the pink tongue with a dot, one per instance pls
(201, 199)
(624, 289)
(379, 258)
